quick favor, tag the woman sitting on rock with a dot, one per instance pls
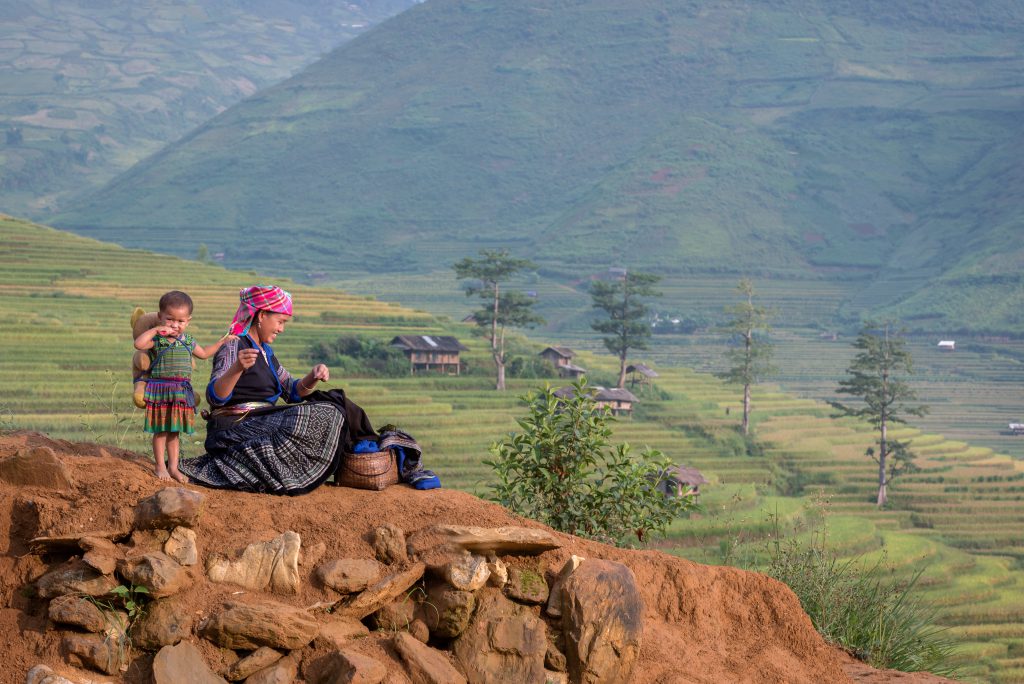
(251, 444)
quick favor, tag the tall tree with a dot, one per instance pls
(750, 357)
(876, 378)
(501, 309)
(627, 326)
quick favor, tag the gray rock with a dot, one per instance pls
(425, 665)
(350, 575)
(104, 654)
(181, 546)
(602, 619)
(36, 467)
(272, 565)
(74, 577)
(182, 663)
(169, 508)
(466, 572)
(156, 571)
(248, 626)
(165, 623)
(504, 643)
(389, 545)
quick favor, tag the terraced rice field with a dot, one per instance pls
(66, 345)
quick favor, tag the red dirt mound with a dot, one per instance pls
(702, 623)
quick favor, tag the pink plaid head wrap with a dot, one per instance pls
(258, 298)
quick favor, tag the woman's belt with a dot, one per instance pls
(239, 409)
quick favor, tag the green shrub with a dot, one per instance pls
(563, 471)
(862, 608)
(353, 356)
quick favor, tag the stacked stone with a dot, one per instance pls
(448, 603)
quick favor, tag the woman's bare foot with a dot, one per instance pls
(177, 475)
(162, 474)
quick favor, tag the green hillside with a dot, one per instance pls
(87, 89)
(805, 140)
(64, 370)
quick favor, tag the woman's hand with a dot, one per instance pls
(247, 358)
(320, 372)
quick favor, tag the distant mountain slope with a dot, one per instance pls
(803, 139)
(87, 89)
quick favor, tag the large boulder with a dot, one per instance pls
(381, 594)
(248, 626)
(74, 577)
(503, 644)
(602, 619)
(350, 575)
(182, 663)
(36, 467)
(169, 508)
(165, 623)
(272, 565)
(425, 665)
(159, 573)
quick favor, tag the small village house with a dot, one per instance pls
(640, 373)
(431, 352)
(620, 401)
(561, 359)
(681, 481)
(947, 345)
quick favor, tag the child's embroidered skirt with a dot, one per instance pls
(170, 406)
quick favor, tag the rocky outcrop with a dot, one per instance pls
(382, 593)
(158, 572)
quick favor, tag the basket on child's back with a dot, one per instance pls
(368, 470)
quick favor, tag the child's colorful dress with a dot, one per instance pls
(170, 402)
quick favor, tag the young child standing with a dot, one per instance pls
(170, 401)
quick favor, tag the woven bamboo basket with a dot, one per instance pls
(373, 470)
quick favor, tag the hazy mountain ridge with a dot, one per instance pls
(87, 89)
(791, 139)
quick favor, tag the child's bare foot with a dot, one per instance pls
(162, 474)
(177, 475)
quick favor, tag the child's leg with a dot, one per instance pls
(159, 447)
(173, 451)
